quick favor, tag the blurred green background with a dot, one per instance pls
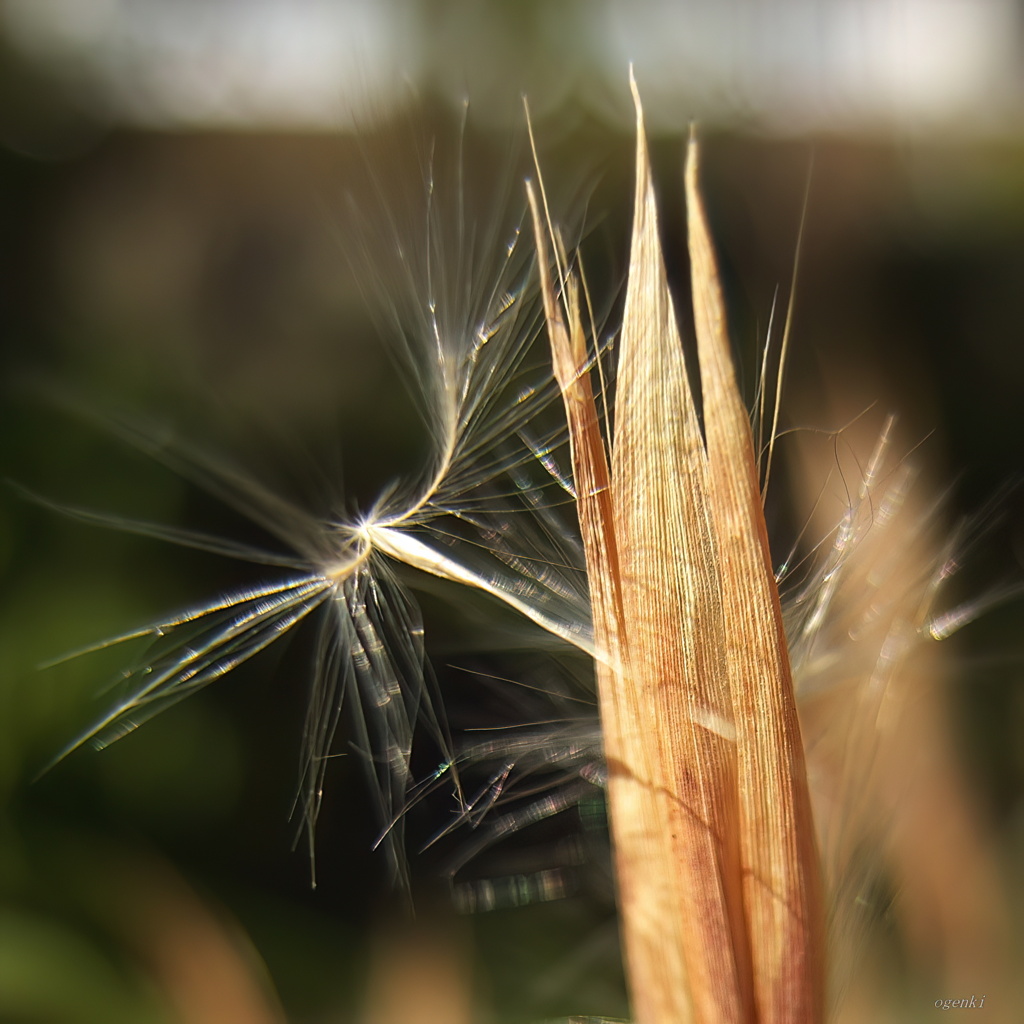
(173, 183)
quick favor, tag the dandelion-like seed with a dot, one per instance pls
(464, 347)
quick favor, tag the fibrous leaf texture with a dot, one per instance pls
(714, 844)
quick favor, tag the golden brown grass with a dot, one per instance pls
(716, 863)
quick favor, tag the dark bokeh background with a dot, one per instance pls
(195, 268)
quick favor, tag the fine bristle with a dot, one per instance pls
(456, 297)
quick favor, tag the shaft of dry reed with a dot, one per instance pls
(714, 851)
(781, 879)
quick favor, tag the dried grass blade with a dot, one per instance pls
(781, 880)
(651, 913)
(672, 652)
(590, 466)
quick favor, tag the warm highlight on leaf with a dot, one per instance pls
(781, 887)
(714, 845)
(672, 621)
(650, 900)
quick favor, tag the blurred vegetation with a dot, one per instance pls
(201, 279)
